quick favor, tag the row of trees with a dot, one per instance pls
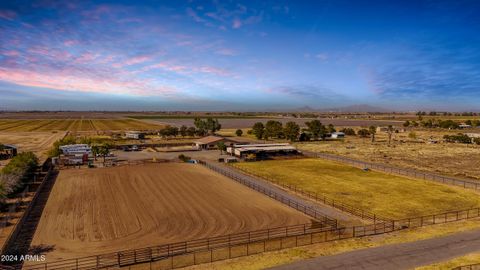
(461, 138)
(438, 123)
(291, 131)
(433, 113)
(16, 173)
(202, 128)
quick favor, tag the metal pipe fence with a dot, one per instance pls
(308, 210)
(363, 214)
(177, 255)
(399, 171)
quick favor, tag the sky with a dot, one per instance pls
(239, 55)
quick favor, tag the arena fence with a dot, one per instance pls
(10, 242)
(308, 210)
(208, 250)
(399, 171)
(468, 267)
(322, 199)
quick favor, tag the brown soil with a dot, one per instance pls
(95, 211)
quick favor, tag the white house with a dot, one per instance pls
(338, 135)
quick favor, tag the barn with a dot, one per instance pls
(210, 142)
(261, 150)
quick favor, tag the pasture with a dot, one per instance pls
(95, 211)
(36, 142)
(455, 159)
(74, 125)
(387, 195)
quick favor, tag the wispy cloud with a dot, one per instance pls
(8, 15)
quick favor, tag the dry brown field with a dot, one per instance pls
(455, 159)
(95, 211)
(74, 125)
(36, 142)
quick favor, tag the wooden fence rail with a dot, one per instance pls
(176, 255)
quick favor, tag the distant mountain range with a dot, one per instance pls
(351, 108)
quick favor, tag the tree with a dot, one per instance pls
(239, 132)
(363, 133)
(104, 150)
(207, 126)
(273, 129)
(348, 131)
(390, 131)
(191, 131)
(406, 123)
(372, 130)
(258, 130)
(316, 129)
(291, 131)
(95, 151)
(222, 147)
(331, 128)
(183, 130)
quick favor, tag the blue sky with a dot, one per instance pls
(239, 55)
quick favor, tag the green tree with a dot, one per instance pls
(406, 123)
(258, 130)
(291, 131)
(239, 132)
(183, 130)
(331, 128)
(273, 129)
(363, 133)
(95, 151)
(222, 147)
(372, 130)
(316, 129)
(348, 131)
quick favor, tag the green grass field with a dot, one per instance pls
(387, 195)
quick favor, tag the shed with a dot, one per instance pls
(210, 142)
(338, 135)
(137, 135)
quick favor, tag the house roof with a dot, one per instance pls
(209, 139)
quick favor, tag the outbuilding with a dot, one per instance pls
(8, 151)
(242, 150)
(338, 135)
(136, 135)
(210, 142)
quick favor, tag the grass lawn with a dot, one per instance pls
(387, 195)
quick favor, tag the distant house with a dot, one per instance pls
(464, 126)
(76, 149)
(210, 142)
(8, 151)
(242, 150)
(137, 135)
(338, 135)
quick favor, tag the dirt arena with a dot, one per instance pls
(95, 211)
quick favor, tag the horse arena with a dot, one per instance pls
(95, 211)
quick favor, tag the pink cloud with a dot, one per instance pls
(11, 53)
(237, 23)
(70, 42)
(226, 51)
(137, 60)
(73, 82)
(8, 15)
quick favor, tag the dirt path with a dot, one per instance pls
(396, 256)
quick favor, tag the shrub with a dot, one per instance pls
(184, 158)
(17, 172)
(459, 138)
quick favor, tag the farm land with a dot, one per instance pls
(74, 125)
(109, 209)
(390, 196)
(454, 159)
